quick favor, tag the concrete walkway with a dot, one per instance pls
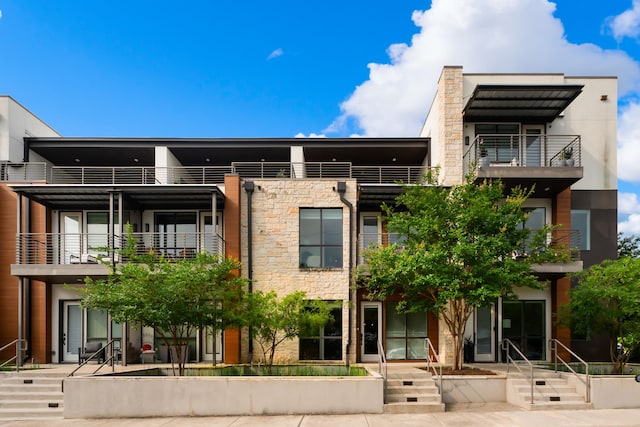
(484, 417)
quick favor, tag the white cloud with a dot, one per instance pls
(629, 208)
(628, 147)
(276, 53)
(311, 135)
(483, 36)
(627, 24)
(0, 14)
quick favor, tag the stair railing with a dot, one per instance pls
(506, 345)
(433, 363)
(113, 354)
(21, 348)
(382, 365)
(553, 345)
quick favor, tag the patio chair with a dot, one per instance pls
(90, 348)
(147, 353)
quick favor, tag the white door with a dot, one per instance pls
(370, 232)
(71, 330)
(533, 145)
(370, 330)
(71, 237)
(209, 348)
(210, 240)
(485, 334)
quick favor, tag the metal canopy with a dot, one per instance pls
(519, 103)
(69, 197)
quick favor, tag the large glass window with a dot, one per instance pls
(535, 222)
(499, 141)
(176, 233)
(581, 223)
(321, 237)
(325, 343)
(405, 334)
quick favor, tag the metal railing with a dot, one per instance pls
(109, 350)
(506, 345)
(92, 248)
(435, 368)
(521, 150)
(373, 240)
(553, 345)
(382, 366)
(212, 175)
(23, 172)
(21, 348)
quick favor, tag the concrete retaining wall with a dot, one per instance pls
(614, 392)
(474, 389)
(119, 397)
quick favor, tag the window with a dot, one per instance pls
(405, 334)
(327, 344)
(321, 237)
(581, 229)
(499, 149)
(535, 222)
(176, 233)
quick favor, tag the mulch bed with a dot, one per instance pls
(465, 371)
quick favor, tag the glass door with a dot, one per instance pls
(70, 238)
(209, 347)
(533, 147)
(71, 330)
(523, 322)
(371, 330)
(485, 336)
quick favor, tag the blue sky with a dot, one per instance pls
(284, 68)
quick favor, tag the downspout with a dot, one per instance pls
(249, 187)
(27, 294)
(341, 188)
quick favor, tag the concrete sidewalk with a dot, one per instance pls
(457, 417)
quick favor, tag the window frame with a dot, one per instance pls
(319, 248)
(585, 238)
(322, 339)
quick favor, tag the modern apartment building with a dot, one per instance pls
(298, 213)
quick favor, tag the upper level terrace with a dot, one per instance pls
(39, 172)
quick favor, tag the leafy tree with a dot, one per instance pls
(628, 246)
(462, 248)
(607, 300)
(274, 320)
(176, 297)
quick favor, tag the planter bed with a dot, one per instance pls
(149, 395)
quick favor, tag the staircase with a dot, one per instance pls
(551, 390)
(31, 395)
(411, 391)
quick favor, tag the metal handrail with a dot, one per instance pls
(111, 359)
(553, 345)
(19, 350)
(428, 346)
(382, 365)
(504, 345)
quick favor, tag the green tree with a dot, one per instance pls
(462, 248)
(275, 320)
(175, 297)
(628, 246)
(607, 300)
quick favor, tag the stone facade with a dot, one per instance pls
(450, 129)
(275, 234)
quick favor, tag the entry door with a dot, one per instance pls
(71, 330)
(208, 345)
(370, 330)
(71, 241)
(485, 335)
(523, 322)
(533, 146)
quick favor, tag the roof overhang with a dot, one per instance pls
(70, 197)
(519, 103)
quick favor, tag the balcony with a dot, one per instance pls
(551, 163)
(83, 248)
(563, 245)
(208, 175)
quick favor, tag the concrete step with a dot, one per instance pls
(419, 382)
(24, 388)
(412, 408)
(412, 390)
(559, 388)
(30, 396)
(26, 404)
(31, 414)
(413, 398)
(553, 406)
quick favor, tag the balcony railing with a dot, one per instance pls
(564, 245)
(23, 172)
(524, 151)
(142, 175)
(84, 248)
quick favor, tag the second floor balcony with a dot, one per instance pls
(86, 248)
